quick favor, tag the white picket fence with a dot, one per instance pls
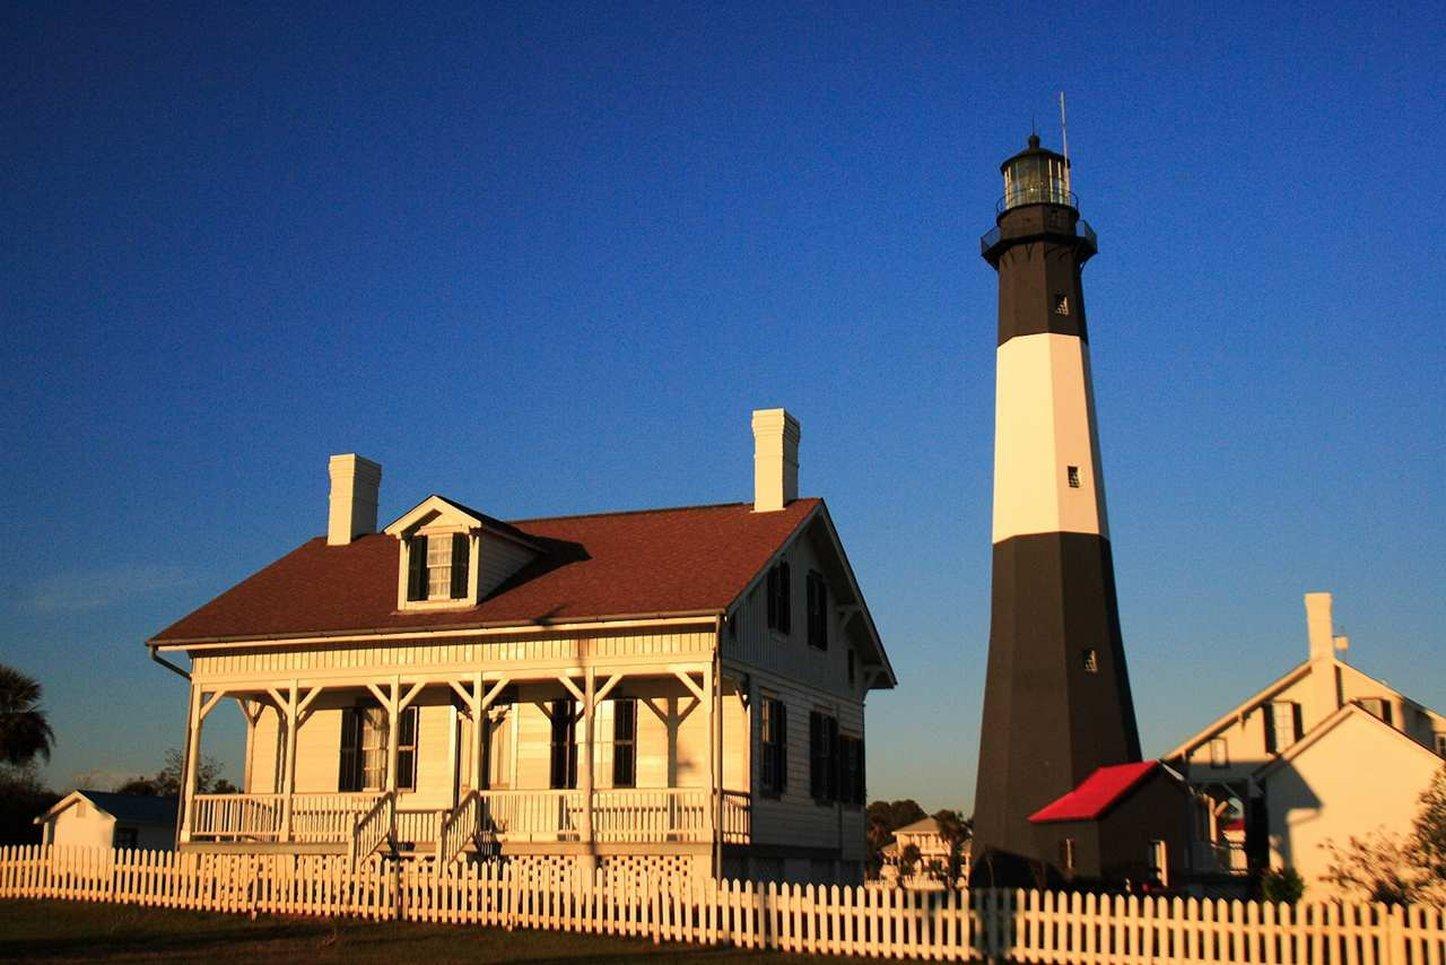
(1025, 926)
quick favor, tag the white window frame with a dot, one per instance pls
(442, 533)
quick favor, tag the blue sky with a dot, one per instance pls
(546, 260)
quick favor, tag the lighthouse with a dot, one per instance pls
(1057, 700)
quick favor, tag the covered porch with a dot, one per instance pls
(441, 764)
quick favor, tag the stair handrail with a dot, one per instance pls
(377, 826)
(459, 827)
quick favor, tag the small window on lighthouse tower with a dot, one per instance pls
(1061, 303)
(1072, 474)
(1091, 661)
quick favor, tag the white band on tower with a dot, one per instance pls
(1046, 450)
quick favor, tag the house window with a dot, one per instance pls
(563, 714)
(125, 838)
(364, 732)
(1072, 474)
(823, 770)
(779, 602)
(625, 742)
(407, 749)
(1160, 861)
(1282, 725)
(851, 762)
(817, 610)
(1441, 745)
(1377, 707)
(1061, 303)
(1066, 855)
(1219, 752)
(1091, 660)
(437, 567)
(773, 776)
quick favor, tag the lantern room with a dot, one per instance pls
(1036, 176)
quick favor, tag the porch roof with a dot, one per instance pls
(694, 559)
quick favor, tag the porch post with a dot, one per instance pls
(479, 721)
(588, 708)
(289, 777)
(394, 733)
(710, 687)
(193, 753)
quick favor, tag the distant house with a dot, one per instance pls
(664, 689)
(927, 836)
(101, 819)
(1323, 752)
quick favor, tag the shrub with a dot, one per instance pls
(1278, 886)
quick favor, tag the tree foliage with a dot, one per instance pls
(23, 798)
(167, 782)
(24, 730)
(1394, 868)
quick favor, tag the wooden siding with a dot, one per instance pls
(749, 639)
(464, 655)
(1244, 735)
(497, 560)
(795, 818)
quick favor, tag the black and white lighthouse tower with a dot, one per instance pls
(1057, 696)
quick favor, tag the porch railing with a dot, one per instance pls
(663, 814)
(237, 817)
(737, 818)
(530, 815)
(653, 815)
(327, 818)
(374, 828)
(459, 827)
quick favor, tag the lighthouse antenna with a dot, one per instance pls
(1064, 140)
(1063, 128)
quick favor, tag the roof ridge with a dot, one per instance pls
(641, 512)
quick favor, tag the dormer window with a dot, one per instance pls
(453, 557)
(437, 567)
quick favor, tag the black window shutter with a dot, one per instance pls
(815, 740)
(417, 568)
(781, 784)
(830, 759)
(861, 787)
(349, 776)
(772, 594)
(460, 558)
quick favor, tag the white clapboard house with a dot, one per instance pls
(673, 689)
(1322, 753)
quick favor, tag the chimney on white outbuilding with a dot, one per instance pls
(1325, 691)
(355, 483)
(775, 459)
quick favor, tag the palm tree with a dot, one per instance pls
(24, 732)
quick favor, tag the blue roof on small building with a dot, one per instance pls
(134, 808)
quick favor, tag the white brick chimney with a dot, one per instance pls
(1324, 690)
(775, 459)
(355, 483)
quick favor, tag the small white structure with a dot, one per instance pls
(101, 819)
(1323, 753)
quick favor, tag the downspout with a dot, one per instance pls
(155, 655)
(717, 698)
(186, 748)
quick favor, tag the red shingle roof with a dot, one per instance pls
(662, 561)
(1096, 794)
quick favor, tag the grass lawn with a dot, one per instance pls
(70, 931)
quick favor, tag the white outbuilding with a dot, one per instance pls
(102, 819)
